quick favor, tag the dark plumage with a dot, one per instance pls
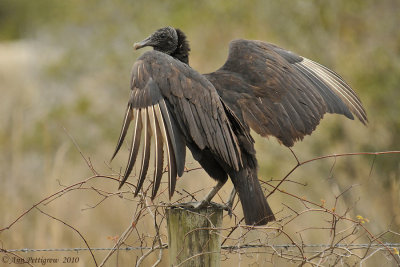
(261, 86)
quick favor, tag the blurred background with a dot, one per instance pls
(65, 69)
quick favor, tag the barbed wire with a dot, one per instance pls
(246, 246)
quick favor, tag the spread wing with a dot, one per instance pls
(279, 93)
(172, 105)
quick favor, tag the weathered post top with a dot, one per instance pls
(194, 236)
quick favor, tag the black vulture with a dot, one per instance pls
(261, 87)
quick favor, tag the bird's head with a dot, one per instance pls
(164, 40)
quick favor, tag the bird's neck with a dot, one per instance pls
(182, 51)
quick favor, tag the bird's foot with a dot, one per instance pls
(200, 204)
(228, 208)
(196, 205)
(229, 203)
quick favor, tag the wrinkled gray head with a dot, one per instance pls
(163, 40)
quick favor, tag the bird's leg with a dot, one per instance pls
(206, 200)
(231, 199)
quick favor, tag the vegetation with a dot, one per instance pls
(64, 72)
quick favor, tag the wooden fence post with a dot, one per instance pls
(193, 236)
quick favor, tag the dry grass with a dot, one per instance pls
(50, 93)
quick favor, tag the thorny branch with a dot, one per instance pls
(74, 229)
(343, 232)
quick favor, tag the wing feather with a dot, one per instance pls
(172, 170)
(178, 144)
(279, 93)
(333, 103)
(125, 125)
(159, 152)
(146, 151)
(342, 89)
(134, 147)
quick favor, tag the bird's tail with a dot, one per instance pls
(255, 206)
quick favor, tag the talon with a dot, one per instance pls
(200, 204)
(231, 199)
(228, 208)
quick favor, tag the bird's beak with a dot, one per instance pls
(145, 42)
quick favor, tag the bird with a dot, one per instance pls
(261, 86)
